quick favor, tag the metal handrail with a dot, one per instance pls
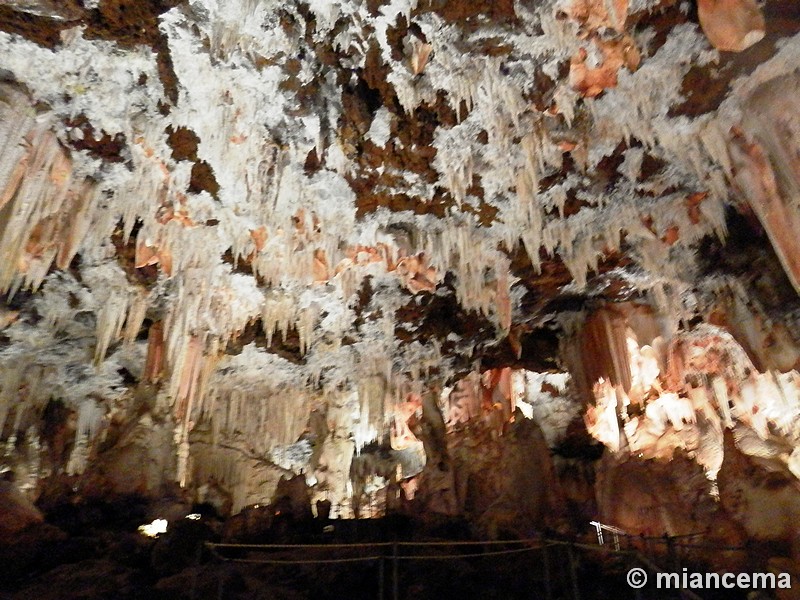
(614, 531)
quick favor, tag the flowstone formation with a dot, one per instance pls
(433, 256)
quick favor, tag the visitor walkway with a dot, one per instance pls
(554, 569)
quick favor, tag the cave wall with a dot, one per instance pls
(244, 241)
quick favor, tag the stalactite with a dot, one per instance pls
(401, 437)
(720, 388)
(13, 375)
(604, 349)
(761, 151)
(602, 419)
(758, 180)
(503, 307)
(17, 121)
(90, 416)
(135, 317)
(278, 314)
(372, 395)
(48, 211)
(769, 344)
(462, 250)
(110, 321)
(185, 384)
(532, 218)
(490, 397)
(709, 385)
(79, 457)
(78, 212)
(154, 362)
(196, 372)
(454, 159)
(305, 323)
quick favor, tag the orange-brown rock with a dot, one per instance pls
(760, 185)
(17, 511)
(731, 25)
(591, 80)
(154, 363)
(594, 14)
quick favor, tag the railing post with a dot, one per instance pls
(395, 578)
(381, 561)
(576, 595)
(548, 592)
(637, 591)
(672, 554)
(198, 561)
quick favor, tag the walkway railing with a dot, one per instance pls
(628, 550)
(600, 528)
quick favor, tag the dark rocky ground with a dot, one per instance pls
(93, 550)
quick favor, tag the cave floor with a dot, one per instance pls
(95, 552)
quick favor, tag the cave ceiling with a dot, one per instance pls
(221, 202)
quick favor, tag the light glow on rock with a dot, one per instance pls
(155, 528)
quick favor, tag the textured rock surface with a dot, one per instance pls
(244, 241)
